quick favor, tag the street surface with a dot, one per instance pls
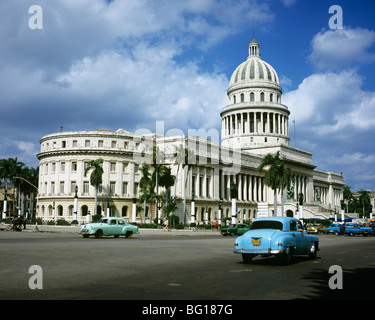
(157, 265)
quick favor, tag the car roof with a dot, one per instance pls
(281, 219)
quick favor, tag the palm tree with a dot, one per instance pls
(145, 184)
(10, 168)
(364, 199)
(96, 177)
(277, 176)
(179, 156)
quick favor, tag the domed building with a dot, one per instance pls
(254, 116)
(254, 123)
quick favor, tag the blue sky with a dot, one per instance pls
(126, 64)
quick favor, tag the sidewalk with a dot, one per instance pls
(75, 230)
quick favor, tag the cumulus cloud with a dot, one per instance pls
(107, 64)
(342, 48)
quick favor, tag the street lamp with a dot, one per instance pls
(75, 204)
(219, 211)
(159, 206)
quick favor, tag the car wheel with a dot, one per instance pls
(247, 258)
(286, 257)
(128, 234)
(99, 234)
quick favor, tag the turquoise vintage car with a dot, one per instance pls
(283, 237)
(110, 226)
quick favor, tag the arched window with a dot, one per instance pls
(252, 97)
(271, 97)
(262, 96)
(124, 212)
(242, 97)
(234, 99)
(84, 210)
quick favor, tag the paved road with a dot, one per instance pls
(176, 266)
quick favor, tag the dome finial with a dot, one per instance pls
(254, 48)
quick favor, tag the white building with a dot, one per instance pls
(254, 123)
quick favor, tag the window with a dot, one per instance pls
(136, 188)
(63, 144)
(74, 166)
(74, 143)
(53, 166)
(252, 97)
(100, 143)
(86, 187)
(293, 225)
(112, 187)
(62, 166)
(126, 145)
(87, 143)
(136, 168)
(234, 99)
(271, 97)
(113, 166)
(62, 186)
(124, 188)
(242, 97)
(125, 167)
(52, 187)
(73, 186)
(262, 96)
(113, 144)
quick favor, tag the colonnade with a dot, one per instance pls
(255, 122)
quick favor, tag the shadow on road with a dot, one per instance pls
(358, 284)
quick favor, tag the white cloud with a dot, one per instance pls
(342, 48)
(332, 102)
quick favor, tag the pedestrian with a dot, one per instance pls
(216, 225)
(166, 224)
(24, 223)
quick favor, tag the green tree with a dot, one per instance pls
(146, 187)
(277, 176)
(347, 195)
(364, 201)
(96, 177)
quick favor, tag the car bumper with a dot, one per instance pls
(258, 251)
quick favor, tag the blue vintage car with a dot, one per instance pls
(353, 229)
(279, 236)
(111, 226)
(334, 228)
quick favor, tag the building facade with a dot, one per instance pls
(254, 123)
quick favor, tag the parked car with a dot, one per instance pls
(109, 227)
(334, 228)
(316, 228)
(353, 229)
(237, 229)
(283, 237)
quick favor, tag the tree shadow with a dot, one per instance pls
(358, 284)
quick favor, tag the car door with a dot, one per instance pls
(297, 235)
(112, 227)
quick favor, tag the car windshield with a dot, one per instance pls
(267, 224)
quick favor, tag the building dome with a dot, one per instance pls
(254, 72)
(254, 116)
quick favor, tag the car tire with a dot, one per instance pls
(286, 257)
(99, 234)
(247, 258)
(128, 234)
